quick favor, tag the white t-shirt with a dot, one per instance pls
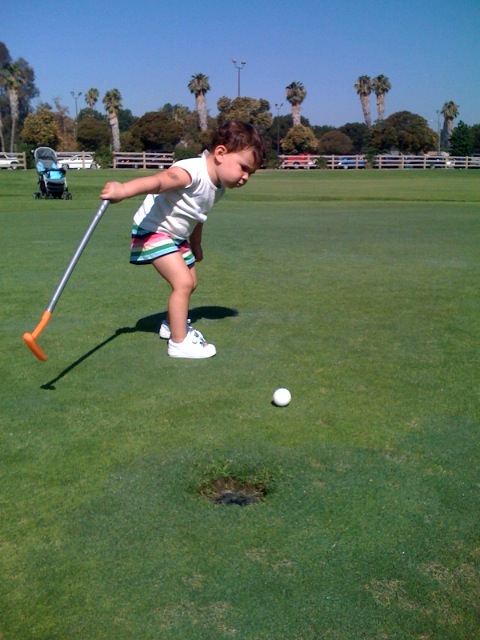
(178, 212)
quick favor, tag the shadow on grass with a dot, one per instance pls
(149, 324)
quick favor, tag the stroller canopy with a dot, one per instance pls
(46, 157)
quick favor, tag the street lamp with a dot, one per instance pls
(239, 67)
(278, 107)
(76, 96)
(438, 130)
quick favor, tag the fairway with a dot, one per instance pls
(357, 291)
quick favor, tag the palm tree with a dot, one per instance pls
(449, 111)
(2, 141)
(381, 85)
(364, 88)
(180, 113)
(112, 102)
(5, 60)
(296, 94)
(91, 97)
(14, 78)
(199, 86)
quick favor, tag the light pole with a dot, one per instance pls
(76, 96)
(438, 130)
(278, 107)
(239, 67)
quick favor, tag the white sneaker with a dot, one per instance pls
(165, 332)
(194, 346)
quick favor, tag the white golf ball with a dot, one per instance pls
(282, 397)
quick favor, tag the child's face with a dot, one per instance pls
(234, 167)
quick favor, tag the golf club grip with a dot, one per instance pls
(76, 256)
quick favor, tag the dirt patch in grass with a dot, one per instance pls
(227, 482)
(231, 491)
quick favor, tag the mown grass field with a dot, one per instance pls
(356, 290)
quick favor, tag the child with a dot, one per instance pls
(167, 229)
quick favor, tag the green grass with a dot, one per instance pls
(356, 290)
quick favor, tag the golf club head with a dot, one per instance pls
(34, 348)
(31, 338)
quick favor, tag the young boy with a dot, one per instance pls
(167, 229)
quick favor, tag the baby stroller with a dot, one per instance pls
(51, 177)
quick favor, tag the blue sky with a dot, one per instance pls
(149, 49)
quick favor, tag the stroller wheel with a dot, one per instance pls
(36, 196)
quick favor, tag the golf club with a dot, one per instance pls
(31, 338)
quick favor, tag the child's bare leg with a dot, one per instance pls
(183, 281)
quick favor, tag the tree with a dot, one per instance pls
(17, 89)
(319, 130)
(296, 94)
(461, 140)
(192, 140)
(91, 97)
(177, 112)
(299, 139)
(156, 131)
(5, 60)
(113, 103)
(93, 134)
(249, 110)
(199, 86)
(359, 134)
(335, 142)
(405, 132)
(381, 86)
(278, 130)
(87, 112)
(475, 131)
(28, 91)
(14, 78)
(41, 129)
(125, 119)
(66, 126)
(363, 87)
(449, 112)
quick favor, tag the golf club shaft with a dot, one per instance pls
(71, 266)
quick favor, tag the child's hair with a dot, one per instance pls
(237, 136)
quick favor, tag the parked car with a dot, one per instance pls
(79, 161)
(127, 163)
(351, 163)
(8, 161)
(302, 161)
(159, 161)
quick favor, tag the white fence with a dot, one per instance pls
(121, 160)
(426, 161)
(144, 160)
(161, 160)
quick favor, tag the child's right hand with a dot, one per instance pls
(113, 191)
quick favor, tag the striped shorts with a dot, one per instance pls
(149, 245)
